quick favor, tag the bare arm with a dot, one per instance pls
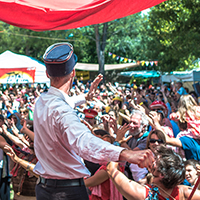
(2, 142)
(129, 189)
(6, 102)
(163, 92)
(93, 87)
(172, 141)
(25, 164)
(26, 130)
(98, 178)
(186, 190)
(13, 138)
(143, 158)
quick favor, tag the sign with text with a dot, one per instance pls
(17, 75)
(83, 75)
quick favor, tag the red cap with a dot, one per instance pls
(90, 113)
(160, 104)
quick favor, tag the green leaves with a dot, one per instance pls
(174, 27)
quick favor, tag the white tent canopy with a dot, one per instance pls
(16, 68)
(95, 67)
(184, 76)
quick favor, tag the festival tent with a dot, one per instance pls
(95, 67)
(42, 15)
(184, 76)
(141, 74)
(190, 79)
(16, 68)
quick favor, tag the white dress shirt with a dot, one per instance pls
(61, 140)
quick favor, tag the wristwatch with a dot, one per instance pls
(116, 143)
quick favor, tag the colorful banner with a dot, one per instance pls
(17, 75)
(143, 62)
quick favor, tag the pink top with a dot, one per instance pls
(106, 190)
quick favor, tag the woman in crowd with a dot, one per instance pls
(168, 172)
(189, 112)
(155, 139)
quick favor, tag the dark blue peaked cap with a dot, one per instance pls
(59, 59)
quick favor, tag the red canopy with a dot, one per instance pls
(41, 15)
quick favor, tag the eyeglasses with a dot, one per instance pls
(159, 141)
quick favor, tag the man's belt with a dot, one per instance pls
(61, 182)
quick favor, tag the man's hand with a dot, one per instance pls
(93, 87)
(143, 158)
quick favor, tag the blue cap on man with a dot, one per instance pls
(59, 59)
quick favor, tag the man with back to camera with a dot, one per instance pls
(61, 139)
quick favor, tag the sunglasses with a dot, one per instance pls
(23, 112)
(157, 109)
(159, 141)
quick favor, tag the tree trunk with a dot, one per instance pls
(100, 47)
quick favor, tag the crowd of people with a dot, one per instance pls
(130, 141)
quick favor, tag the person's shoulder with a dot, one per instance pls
(188, 140)
(184, 191)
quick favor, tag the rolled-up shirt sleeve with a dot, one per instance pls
(80, 139)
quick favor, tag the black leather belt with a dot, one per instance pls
(61, 182)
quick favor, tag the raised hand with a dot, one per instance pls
(23, 123)
(10, 152)
(87, 124)
(121, 132)
(93, 87)
(113, 124)
(105, 118)
(4, 127)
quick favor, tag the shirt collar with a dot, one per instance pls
(143, 136)
(62, 95)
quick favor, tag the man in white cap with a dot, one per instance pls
(61, 140)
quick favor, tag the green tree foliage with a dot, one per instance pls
(31, 43)
(174, 34)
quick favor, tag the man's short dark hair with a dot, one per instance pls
(171, 166)
(192, 162)
(101, 132)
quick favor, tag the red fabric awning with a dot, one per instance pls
(42, 15)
